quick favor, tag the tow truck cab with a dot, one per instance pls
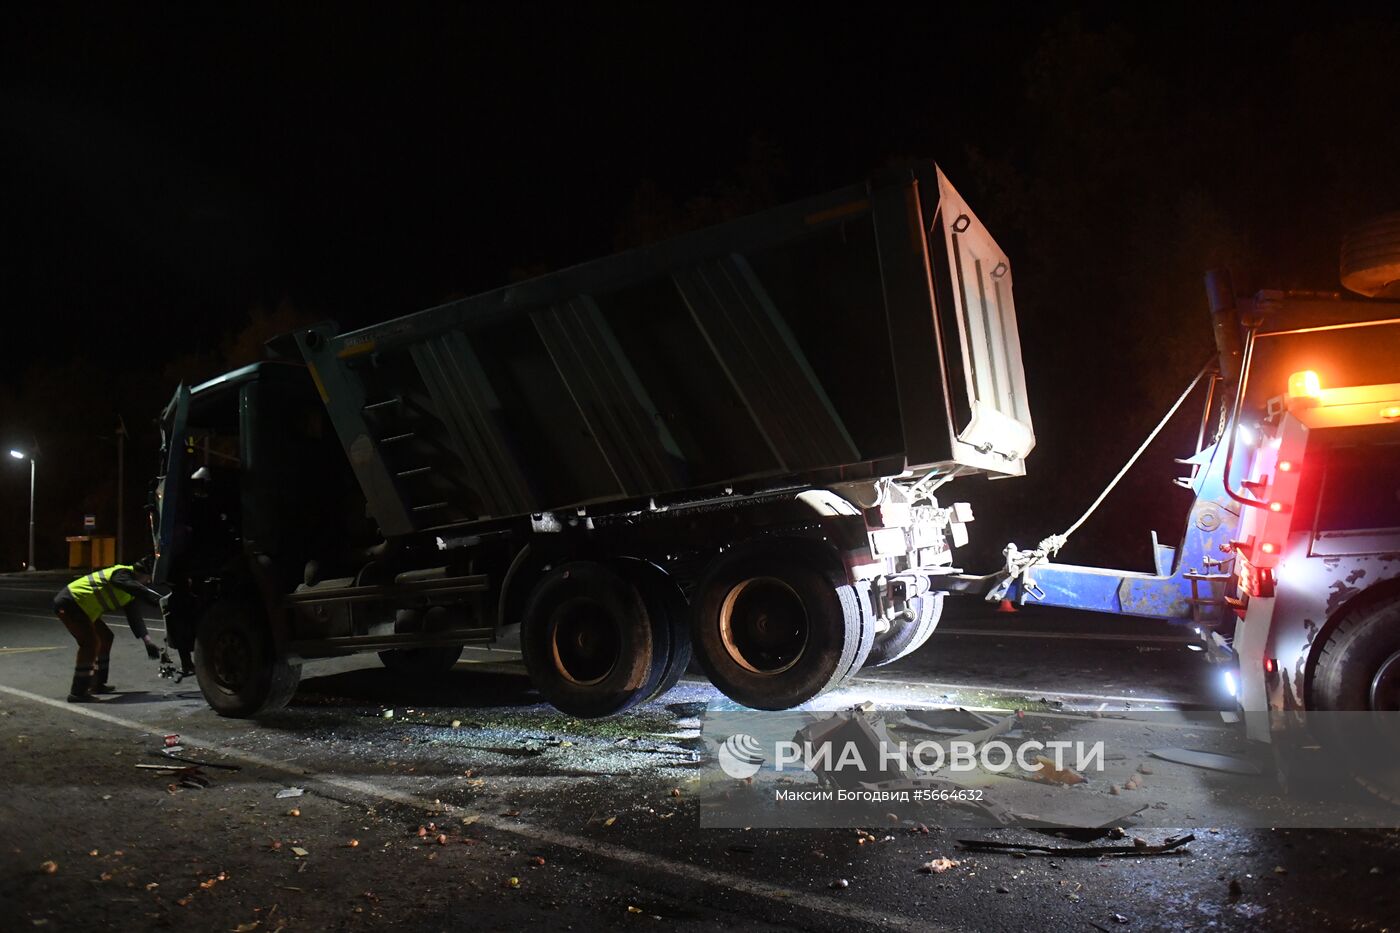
(1318, 559)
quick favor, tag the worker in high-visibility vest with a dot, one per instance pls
(80, 605)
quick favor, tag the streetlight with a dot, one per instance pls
(21, 455)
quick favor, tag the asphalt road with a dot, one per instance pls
(568, 824)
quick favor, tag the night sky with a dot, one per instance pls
(173, 174)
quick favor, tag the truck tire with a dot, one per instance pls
(670, 618)
(1370, 260)
(421, 662)
(1359, 670)
(589, 641)
(772, 633)
(908, 635)
(235, 663)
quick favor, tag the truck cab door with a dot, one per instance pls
(170, 487)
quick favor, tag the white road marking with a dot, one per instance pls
(790, 897)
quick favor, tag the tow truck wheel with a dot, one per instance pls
(907, 635)
(235, 663)
(589, 641)
(772, 633)
(1359, 670)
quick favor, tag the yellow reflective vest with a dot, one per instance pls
(96, 594)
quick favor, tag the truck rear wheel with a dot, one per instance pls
(906, 636)
(1359, 670)
(772, 633)
(670, 617)
(236, 665)
(590, 643)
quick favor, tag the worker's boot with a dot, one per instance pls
(81, 691)
(99, 677)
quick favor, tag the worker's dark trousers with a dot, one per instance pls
(94, 640)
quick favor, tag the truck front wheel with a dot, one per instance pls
(1358, 671)
(236, 665)
(772, 633)
(590, 643)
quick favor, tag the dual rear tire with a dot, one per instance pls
(598, 639)
(770, 631)
(774, 633)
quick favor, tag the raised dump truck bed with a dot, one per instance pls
(861, 334)
(728, 441)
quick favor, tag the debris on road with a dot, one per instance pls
(194, 761)
(49, 868)
(286, 792)
(299, 852)
(1211, 761)
(995, 845)
(840, 883)
(939, 865)
(1050, 773)
(294, 812)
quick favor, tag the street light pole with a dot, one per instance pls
(21, 455)
(32, 470)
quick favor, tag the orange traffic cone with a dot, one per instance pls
(1007, 605)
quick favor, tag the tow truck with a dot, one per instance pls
(1289, 566)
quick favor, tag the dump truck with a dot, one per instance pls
(1288, 570)
(725, 445)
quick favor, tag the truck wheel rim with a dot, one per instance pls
(764, 625)
(585, 642)
(231, 656)
(1385, 686)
